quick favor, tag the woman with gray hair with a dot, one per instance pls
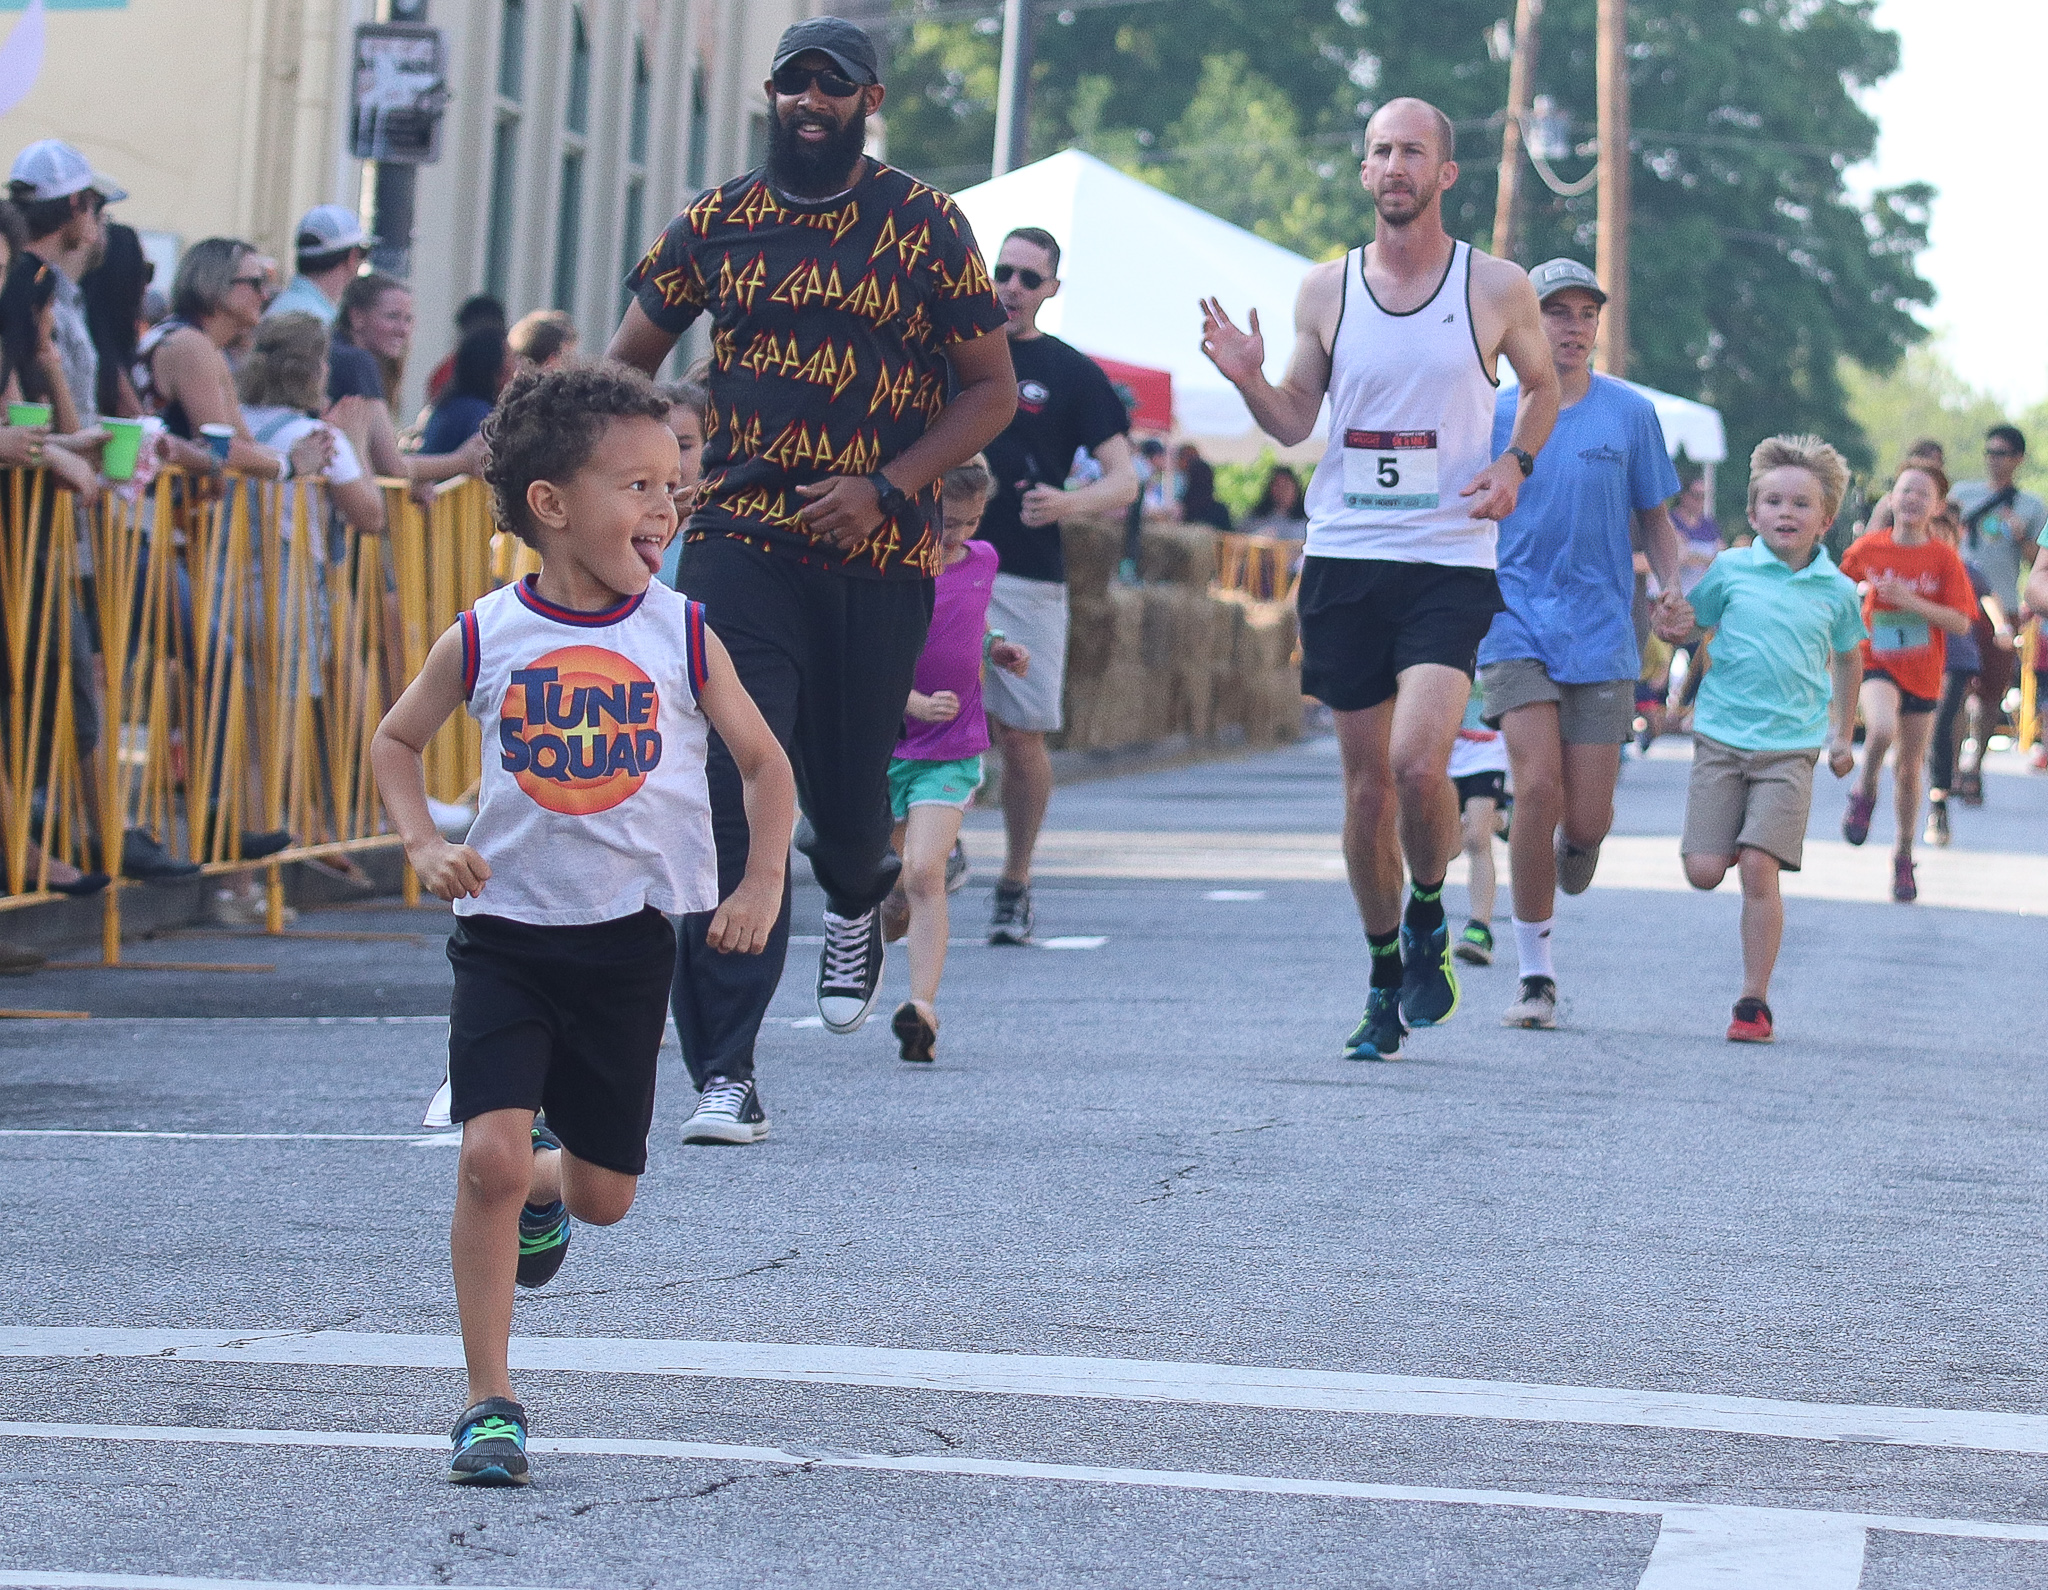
(181, 369)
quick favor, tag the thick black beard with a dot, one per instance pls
(815, 172)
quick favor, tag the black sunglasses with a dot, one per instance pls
(1031, 279)
(794, 80)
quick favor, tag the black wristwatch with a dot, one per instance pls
(891, 498)
(1525, 459)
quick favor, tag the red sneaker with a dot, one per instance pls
(1752, 1023)
(1856, 820)
(1904, 889)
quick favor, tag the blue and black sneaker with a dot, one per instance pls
(543, 1229)
(1429, 985)
(490, 1445)
(1379, 1032)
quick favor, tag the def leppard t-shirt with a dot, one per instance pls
(1064, 403)
(831, 320)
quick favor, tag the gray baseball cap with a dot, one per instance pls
(852, 51)
(53, 169)
(1553, 276)
(329, 228)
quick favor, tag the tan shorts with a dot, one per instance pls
(1757, 799)
(1595, 714)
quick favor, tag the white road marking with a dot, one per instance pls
(1730, 1548)
(178, 1581)
(1114, 1379)
(1235, 894)
(416, 1139)
(1697, 1547)
(1074, 942)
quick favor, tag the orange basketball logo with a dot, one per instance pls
(577, 729)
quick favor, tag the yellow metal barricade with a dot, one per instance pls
(1256, 568)
(2030, 704)
(237, 650)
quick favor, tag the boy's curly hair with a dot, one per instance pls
(547, 424)
(1809, 453)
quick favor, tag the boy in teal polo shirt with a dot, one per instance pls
(1786, 626)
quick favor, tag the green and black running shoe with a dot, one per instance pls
(543, 1230)
(490, 1445)
(1429, 984)
(1379, 1032)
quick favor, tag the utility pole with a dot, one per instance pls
(1611, 259)
(1507, 204)
(1013, 93)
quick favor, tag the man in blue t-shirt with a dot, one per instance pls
(1560, 662)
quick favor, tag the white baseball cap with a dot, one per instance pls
(52, 169)
(329, 228)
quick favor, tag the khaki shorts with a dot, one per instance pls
(1754, 799)
(1033, 613)
(1595, 714)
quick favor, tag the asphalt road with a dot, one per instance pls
(1140, 1285)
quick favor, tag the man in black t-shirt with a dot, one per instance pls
(1065, 408)
(844, 296)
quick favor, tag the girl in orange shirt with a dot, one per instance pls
(1916, 593)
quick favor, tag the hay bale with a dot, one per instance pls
(1171, 553)
(1093, 548)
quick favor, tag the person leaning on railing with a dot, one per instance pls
(182, 372)
(32, 372)
(375, 325)
(282, 383)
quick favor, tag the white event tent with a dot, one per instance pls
(1134, 264)
(1135, 261)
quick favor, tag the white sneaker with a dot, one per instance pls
(1575, 867)
(1536, 1007)
(850, 969)
(727, 1112)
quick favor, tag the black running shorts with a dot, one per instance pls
(563, 1019)
(1909, 703)
(1364, 621)
(1488, 786)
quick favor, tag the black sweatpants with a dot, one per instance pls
(1941, 751)
(828, 658)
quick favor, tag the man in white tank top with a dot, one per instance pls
(1403, 337)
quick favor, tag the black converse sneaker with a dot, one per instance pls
(727, 1112)
(1012, 921)
(850, 969)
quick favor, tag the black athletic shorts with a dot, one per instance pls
(1908, 702)
(1489, 786)
(565, 1019)
(1364, 620)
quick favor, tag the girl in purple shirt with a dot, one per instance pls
(937, 766)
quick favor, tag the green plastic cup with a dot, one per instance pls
(123, 449)
(28, 414)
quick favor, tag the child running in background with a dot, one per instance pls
(937, 767)
(1916, 594)
(1786, 634)
(597, 689)
(1479, 773)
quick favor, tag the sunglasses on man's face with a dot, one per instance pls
(791, 81)
(1031, 279)
(2000, 452)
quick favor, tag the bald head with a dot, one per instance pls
(1407, 111)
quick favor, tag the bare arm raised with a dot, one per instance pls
(1286, 412)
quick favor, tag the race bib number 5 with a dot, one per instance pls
(1390, 469)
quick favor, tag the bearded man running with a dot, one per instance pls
(1404, 337)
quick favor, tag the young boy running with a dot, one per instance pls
(1786, 632)
(596, 689)
(1916, 594)
(937, 766)
(1479, 773)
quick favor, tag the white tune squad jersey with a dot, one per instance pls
(594, 804)
(1411, 422)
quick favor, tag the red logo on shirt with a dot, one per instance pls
(576, 729)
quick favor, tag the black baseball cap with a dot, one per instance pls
(852, 51)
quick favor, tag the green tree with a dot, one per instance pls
(1756, 274)
(1922, 398)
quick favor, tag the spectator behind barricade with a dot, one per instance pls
(1280, 512)
(546, 338)
(60, 198)
(376, 316)
(32, 371)
(1198, 501)
(474, 315)
(483, 363)
(181, 370)
(330, 245)
(113, 313)
(283, 382)
(689, 400)
(1695, 522)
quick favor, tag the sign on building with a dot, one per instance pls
(399, 91)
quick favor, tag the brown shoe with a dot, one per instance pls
(916, 1031)
(18, 960)
(895, 916)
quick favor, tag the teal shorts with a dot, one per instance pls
(932, 784)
